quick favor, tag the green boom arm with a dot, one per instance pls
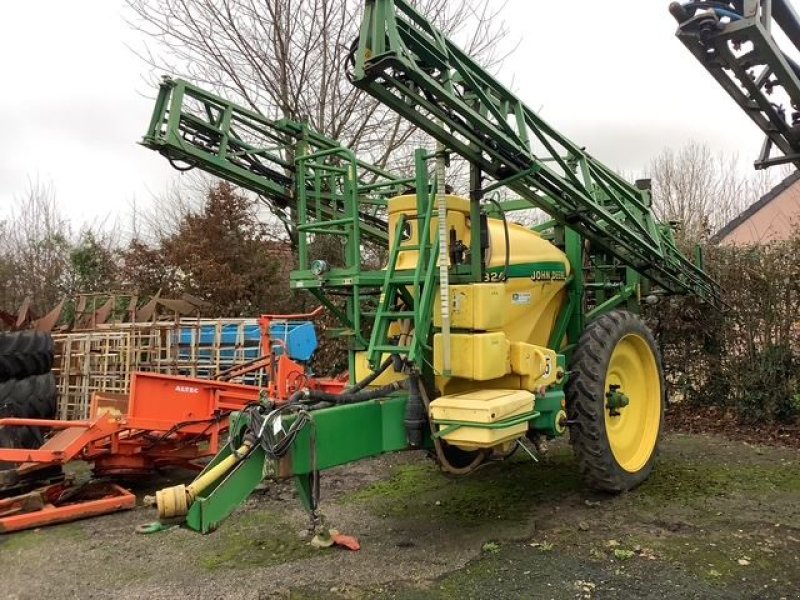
(734, 42)
(202, 130)
(409, 65)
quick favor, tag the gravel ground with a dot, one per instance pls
(718, 519)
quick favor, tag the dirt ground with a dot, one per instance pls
(718, 519)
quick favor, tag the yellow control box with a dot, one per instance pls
(476, 356)
(482, 406)
(475, 306)
(536, 364)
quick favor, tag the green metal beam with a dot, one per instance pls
(751, 71)
(341, 435)
(409, 65)
(239, 145)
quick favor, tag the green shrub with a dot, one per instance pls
(746, 358)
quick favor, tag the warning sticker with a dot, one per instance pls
(521, 299)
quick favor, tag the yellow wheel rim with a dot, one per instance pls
(633, 432)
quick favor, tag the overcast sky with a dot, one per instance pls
(74, 101)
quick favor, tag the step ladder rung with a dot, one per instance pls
(400, 314)
(328, 223)
(393, 349)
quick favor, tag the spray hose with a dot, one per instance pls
(371, 377)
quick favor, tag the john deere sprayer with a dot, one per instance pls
(478, 334)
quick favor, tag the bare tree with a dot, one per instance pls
(288, 59)
(702, 190)
(36, 249)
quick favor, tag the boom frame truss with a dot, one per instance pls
(408, 64)
(738, 48)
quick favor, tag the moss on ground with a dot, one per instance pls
(698, 479)
(23, 540)
(495, 492)
(705, 516)
(255, 540)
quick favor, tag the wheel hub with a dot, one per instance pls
(615, 400)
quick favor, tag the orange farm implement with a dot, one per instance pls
(166, 422)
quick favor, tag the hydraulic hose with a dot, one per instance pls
(371, 377)
(304, 396)
(415, 418)
(722, 9)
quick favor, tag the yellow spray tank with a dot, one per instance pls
(500, 328)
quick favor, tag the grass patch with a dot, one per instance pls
(504, 491)
(23, 540)
(254, 540)
(495, 492)
(685, 481)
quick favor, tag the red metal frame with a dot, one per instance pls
(167, 421)
(60, 503)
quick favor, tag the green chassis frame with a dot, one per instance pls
(381, 429)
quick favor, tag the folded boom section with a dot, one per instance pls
(408, 64)
(195, 128)
(735, 42)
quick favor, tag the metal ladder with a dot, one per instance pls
(415, 316)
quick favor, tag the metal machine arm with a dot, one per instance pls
(734, 41)
(408, 64)
(239, 145)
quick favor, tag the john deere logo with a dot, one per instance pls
(549, 275)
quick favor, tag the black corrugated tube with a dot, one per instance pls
(416, 415)
(371, 377)
(304, 396)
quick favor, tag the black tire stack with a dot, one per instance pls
(27, 386)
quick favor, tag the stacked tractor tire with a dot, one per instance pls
(27, 385)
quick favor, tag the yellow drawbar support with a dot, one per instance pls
(175, 501)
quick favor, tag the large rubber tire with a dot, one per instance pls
(29, 398)
(25, 353)
(616, 452)
(19, 437)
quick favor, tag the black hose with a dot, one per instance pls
(415, 417)
(371, 377)
(303, 396)
(174, 163)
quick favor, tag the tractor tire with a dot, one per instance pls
(19, 437)
(43, 398)
(29, 398)
(615, 445)
(25, 353)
